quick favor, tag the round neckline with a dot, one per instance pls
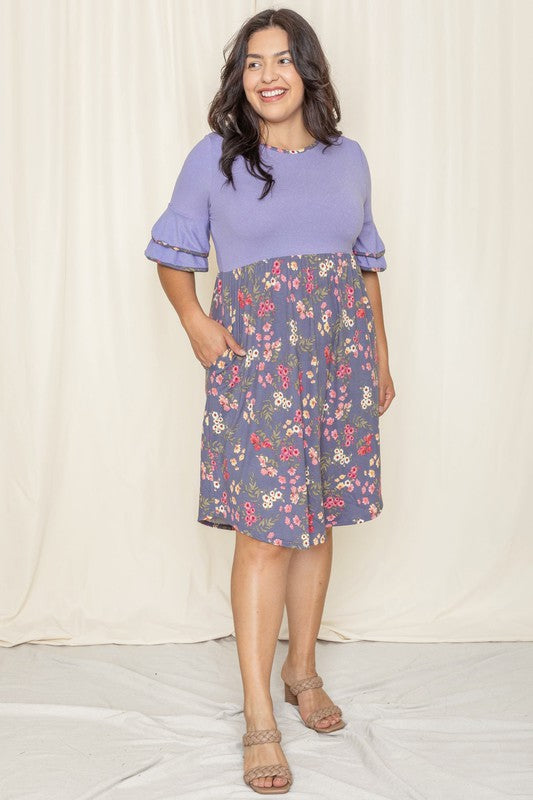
(288, 151)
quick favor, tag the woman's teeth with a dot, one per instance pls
(273, 93)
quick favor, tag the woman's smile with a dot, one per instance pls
(272, 95)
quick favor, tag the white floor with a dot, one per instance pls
(425, 721)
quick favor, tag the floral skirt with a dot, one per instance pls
(290, 436)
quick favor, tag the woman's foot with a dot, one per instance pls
(259, 755)
(311, 699)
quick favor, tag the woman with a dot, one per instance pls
(294, 349)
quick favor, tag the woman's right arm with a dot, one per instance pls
(209, 339)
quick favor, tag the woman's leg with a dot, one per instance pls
(307, 584)
(258, 583)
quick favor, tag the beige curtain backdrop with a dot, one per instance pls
(102, 398)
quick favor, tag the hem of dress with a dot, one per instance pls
(340, 522)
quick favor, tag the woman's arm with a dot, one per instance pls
(386, 386)
(209, 339)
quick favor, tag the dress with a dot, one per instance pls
(290, 439)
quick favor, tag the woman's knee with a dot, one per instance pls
(258, 551)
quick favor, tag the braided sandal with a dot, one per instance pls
(274, 770)
(315, 682)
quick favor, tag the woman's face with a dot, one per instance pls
(269, 66)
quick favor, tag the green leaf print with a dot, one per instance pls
(252, 489)
(266, 524)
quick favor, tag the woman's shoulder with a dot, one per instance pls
(350, 144)
(198, 160)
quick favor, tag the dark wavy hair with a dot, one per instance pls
(231, 115)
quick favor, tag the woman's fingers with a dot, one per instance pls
(231, 342)
(212, 341)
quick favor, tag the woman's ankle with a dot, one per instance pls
(302, 664)
(259, 715)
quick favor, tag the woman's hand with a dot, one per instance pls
(386, 389)
(209, 339)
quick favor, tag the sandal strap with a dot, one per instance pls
(262, 737)
(278, 770)
(314, 682)
(320, 713)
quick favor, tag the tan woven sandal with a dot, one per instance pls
(314, 682)
(274, 770)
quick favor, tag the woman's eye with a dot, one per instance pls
(253, 63)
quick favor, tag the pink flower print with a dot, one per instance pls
(284, 454)
(256, 442)
(353, 472)
(349, 431)
(264, 307)
(250, 516)
(328, 355)
(360, 312)
(343, 371)
(332, 501)
(313, 455)
(350, 299)
(283, 372)
(300, 308)
(243, 301)
(367, 446)
(235, 379)
(276, 268)
(268, 352)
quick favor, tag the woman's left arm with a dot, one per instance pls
(386, 385)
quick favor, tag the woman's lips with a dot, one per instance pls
(273, 98)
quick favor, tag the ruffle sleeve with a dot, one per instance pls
(369, 248)
(180, 236)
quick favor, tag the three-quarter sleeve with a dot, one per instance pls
(180, 237)
(369, 248)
